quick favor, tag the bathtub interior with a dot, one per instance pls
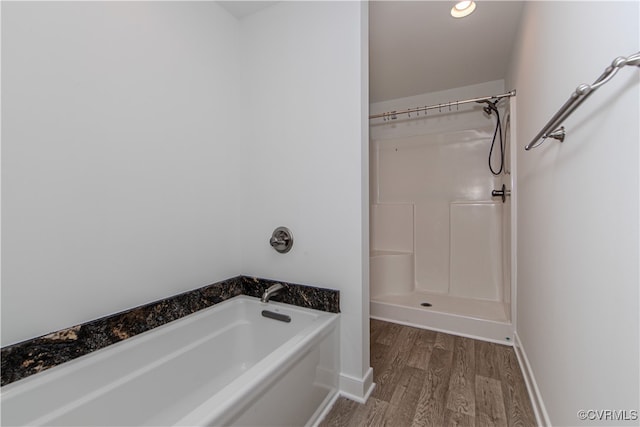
(161, 376)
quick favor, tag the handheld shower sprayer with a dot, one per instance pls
(491, 107)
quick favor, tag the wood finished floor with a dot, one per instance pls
(427, 378)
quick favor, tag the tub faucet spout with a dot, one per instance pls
(269, 292)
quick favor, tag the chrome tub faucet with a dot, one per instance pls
(273, 289)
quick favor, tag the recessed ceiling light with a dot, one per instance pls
(463, 8)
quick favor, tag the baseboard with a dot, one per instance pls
(323, 409)
(542, 418)
(357, 389)
(352, 388)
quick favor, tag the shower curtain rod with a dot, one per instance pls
(393, 115)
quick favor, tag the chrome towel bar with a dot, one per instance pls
(552, 129)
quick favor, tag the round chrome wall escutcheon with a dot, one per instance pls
(281, 240)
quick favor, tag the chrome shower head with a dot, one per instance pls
(491, 106)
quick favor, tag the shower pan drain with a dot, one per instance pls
(426, 304)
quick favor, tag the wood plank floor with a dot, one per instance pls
(427, 378)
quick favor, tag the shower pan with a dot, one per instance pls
(441, 221)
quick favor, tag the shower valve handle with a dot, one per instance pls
(281, 240)
(501, 193)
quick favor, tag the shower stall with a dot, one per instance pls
(441, 217)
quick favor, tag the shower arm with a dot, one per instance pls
(393, 115)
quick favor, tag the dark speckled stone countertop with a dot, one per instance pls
(32, 356)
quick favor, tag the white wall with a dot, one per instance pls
(119, 182)
(305, 164)
(577, 299)
(151, 148)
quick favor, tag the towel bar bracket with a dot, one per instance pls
(558, 134)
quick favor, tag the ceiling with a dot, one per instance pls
(416, 47)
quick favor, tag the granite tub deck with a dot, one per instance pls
(30, 357)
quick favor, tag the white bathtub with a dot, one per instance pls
(225, 365)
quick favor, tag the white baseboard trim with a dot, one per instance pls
(352, 388)
(357, 389)
(323, 410)
(542, 417)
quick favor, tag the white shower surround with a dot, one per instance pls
(437, 168)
